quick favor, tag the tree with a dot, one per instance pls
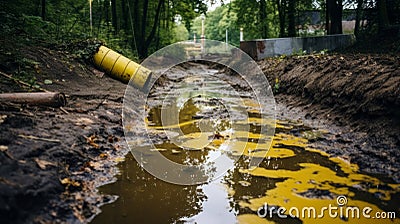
(43, 12)
(383, 19)
(334, 11)
(114, 15)
(263, 19)
(281, 6)
(358, 18)
(291, 18)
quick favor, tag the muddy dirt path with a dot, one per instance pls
(306, 165)
(53, 160)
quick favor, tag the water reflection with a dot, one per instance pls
(146, 199)
(292, 174)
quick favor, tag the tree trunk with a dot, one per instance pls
(263, 19)
(383, 19)
(142, 48)
(327, 16)
(136, 25)
(291, 18)
(281, 13)
(358, 17)
(334, 10)
(154, 27)
(43, 13)
(107, 16)
(124, 22)
(339, 16)
(114, 16)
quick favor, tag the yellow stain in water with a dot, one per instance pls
(180, 125)
(196, 140)
(287, 194)
(291, 191)
(261, 149)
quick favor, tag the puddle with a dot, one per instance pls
(293, 174)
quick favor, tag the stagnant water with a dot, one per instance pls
(294, 175)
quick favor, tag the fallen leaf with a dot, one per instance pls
(95, 165)
(103, 155)
(2, 118)
(43, 163)
(3, 148)
(91, 140)
(69, 182)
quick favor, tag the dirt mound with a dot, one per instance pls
(360, 91)
(51, 159)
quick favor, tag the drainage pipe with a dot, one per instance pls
(122, 68)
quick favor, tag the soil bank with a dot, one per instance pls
(358, 92)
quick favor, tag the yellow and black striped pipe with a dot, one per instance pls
(122, 68)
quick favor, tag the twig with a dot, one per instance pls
(38, 138)
(63, 110)
(22, 82)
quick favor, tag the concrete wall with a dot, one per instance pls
(262, 48)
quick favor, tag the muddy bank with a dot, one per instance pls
(52, 159)
(358, 92)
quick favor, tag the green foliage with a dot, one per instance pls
(34, 26)
(180, 33)
(216, 23)
(83, 49)
(130, 27)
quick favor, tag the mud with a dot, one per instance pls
(53, 160)
(295, 171)
(359, 93)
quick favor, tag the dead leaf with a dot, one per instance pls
(43, 163)
(2, 118)
(3, 148)
(67, 181)
(103, 155)
(95, 165)
(91, 140)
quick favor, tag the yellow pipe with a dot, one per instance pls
(122, 68)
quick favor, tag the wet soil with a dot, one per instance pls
(295, 171)
(52, 160)
(360, 93)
